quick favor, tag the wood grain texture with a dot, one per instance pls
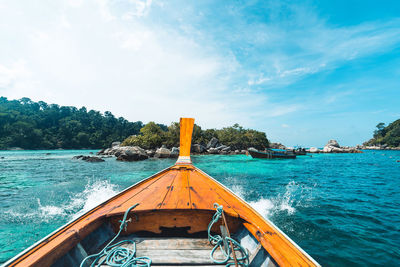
(180, 196)
(186, 129)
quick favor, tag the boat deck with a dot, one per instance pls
(173, 251)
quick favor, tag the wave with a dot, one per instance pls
(94, 194)
(295, 195)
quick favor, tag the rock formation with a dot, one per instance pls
(88, 158)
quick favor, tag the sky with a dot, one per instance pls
(303, 72)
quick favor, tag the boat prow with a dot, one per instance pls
(170, 226)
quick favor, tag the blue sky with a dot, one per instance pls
(303, 72)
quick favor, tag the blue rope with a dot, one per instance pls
(218, 242)
(117, 256)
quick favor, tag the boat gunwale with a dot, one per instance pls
(262, 217)
(24, 254)
(71, 222)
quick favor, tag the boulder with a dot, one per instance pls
(314, 150)
(88, 158)
(212, 143)
(227, 149)
(150, 152)
(115, 144)
(221, 147)
(197, 148)
(93, 159)
(277, 146)
(101, 152)
(333, 143)
(162, 152)
(174, 152)
(130, 153)
(212, 151)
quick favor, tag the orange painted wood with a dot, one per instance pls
(179, 196)
(190, 185)
(151, 197)
(195, 220)
(186, 136)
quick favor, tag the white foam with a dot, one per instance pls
(94, 194)
(263, 206)
(295, 195)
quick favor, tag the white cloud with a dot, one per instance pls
(138, 8)
(15, 73)
(259, 80)
(135, 70)
(283, 109)
(123, 57)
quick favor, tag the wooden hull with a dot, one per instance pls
(298, 151)
(169, 225)
(271, 155)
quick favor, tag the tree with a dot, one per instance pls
(30, 125)
(389, 135)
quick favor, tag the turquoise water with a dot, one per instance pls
(343, 209)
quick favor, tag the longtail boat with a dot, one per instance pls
(177, 217)
(271, 154)
(299, 151)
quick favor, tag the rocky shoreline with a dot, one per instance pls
(214, 147)
(333, 147)
(135, 153)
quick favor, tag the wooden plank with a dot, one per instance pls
(195, 220)
(177, 256)
(178, 197)
(173, 243)
(180, 265)
(204, 193)
(150, 198)
(252, 256)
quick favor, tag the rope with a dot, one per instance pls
(218, 242)
(117, 256)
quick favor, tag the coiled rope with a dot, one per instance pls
(218, 242)
(117, 256)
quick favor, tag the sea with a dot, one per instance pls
(342, 209)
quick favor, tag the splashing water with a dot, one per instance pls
(295, 195)
(94, 194)
(342, 216)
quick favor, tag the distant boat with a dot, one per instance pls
(299, 151)
(179, 216)
(271, 154)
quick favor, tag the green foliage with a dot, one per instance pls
(389, 135)
(238, 138)
(31, 125)
(172, 135)
(153, 136)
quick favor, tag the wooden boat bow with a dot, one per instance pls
(179, 198)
